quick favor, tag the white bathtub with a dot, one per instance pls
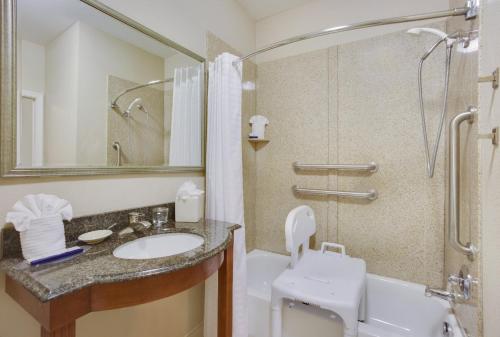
(394, 308)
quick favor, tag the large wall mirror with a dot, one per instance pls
(86, 90)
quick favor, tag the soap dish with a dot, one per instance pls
(95, 237)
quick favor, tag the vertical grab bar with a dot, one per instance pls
(118, 148)
(454, 183)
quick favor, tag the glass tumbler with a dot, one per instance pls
(160, 216)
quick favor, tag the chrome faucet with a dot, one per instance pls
(137, 222)
(141, 226)
(449, 296)
(463, 281)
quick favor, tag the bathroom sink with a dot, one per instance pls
(161, 245)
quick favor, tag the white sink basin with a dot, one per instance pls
(161, 245)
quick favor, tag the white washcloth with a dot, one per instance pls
(38, 206)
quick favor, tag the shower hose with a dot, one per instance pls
(431, 158)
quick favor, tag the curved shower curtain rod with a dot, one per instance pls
(114, 104)
(470, 11)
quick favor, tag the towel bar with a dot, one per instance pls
(370, 195)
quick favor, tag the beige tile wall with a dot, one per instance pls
(400, 234)
(356, 103)
(216, 46)
(293, 94)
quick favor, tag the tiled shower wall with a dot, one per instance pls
(141, 131)
(356, 103)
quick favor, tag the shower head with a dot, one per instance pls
(450, 39)
(137, 102)
(418, 31)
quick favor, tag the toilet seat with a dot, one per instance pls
(332, 281)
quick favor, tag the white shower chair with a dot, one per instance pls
(333, 281)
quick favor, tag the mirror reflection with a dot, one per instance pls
(92, 91)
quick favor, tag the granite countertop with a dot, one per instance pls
(98, 265)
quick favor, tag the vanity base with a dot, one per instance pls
(225, 295)
(57, 317)
(65, 331)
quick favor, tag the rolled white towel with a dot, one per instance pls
(38, 241)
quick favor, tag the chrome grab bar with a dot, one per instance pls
(370, 195)
(370, 167)
(454, 183)
(118, 148)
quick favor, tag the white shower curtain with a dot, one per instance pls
(186, 128)
(224, 180)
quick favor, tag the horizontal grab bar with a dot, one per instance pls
(370, 195)
(370, 167)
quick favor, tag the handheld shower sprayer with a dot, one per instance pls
(450, 40)
(418, 31)
(137, 102)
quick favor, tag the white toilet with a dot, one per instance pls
(333, 281)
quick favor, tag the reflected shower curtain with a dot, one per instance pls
(186, 125)
(224, 183)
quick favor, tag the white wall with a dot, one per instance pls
(489, 117)
(100, 55)
(98, 194)
(187, 21)
(61, 98)
(33, 66)
(321, 14)
(25, 131)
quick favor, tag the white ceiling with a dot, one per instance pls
(260, 9)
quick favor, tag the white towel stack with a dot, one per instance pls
(39, 219)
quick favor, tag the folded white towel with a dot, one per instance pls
(39, 219)
(38, 206)
(44, 237)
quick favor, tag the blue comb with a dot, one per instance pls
(62, 255)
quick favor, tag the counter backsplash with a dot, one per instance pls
(11, 244)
